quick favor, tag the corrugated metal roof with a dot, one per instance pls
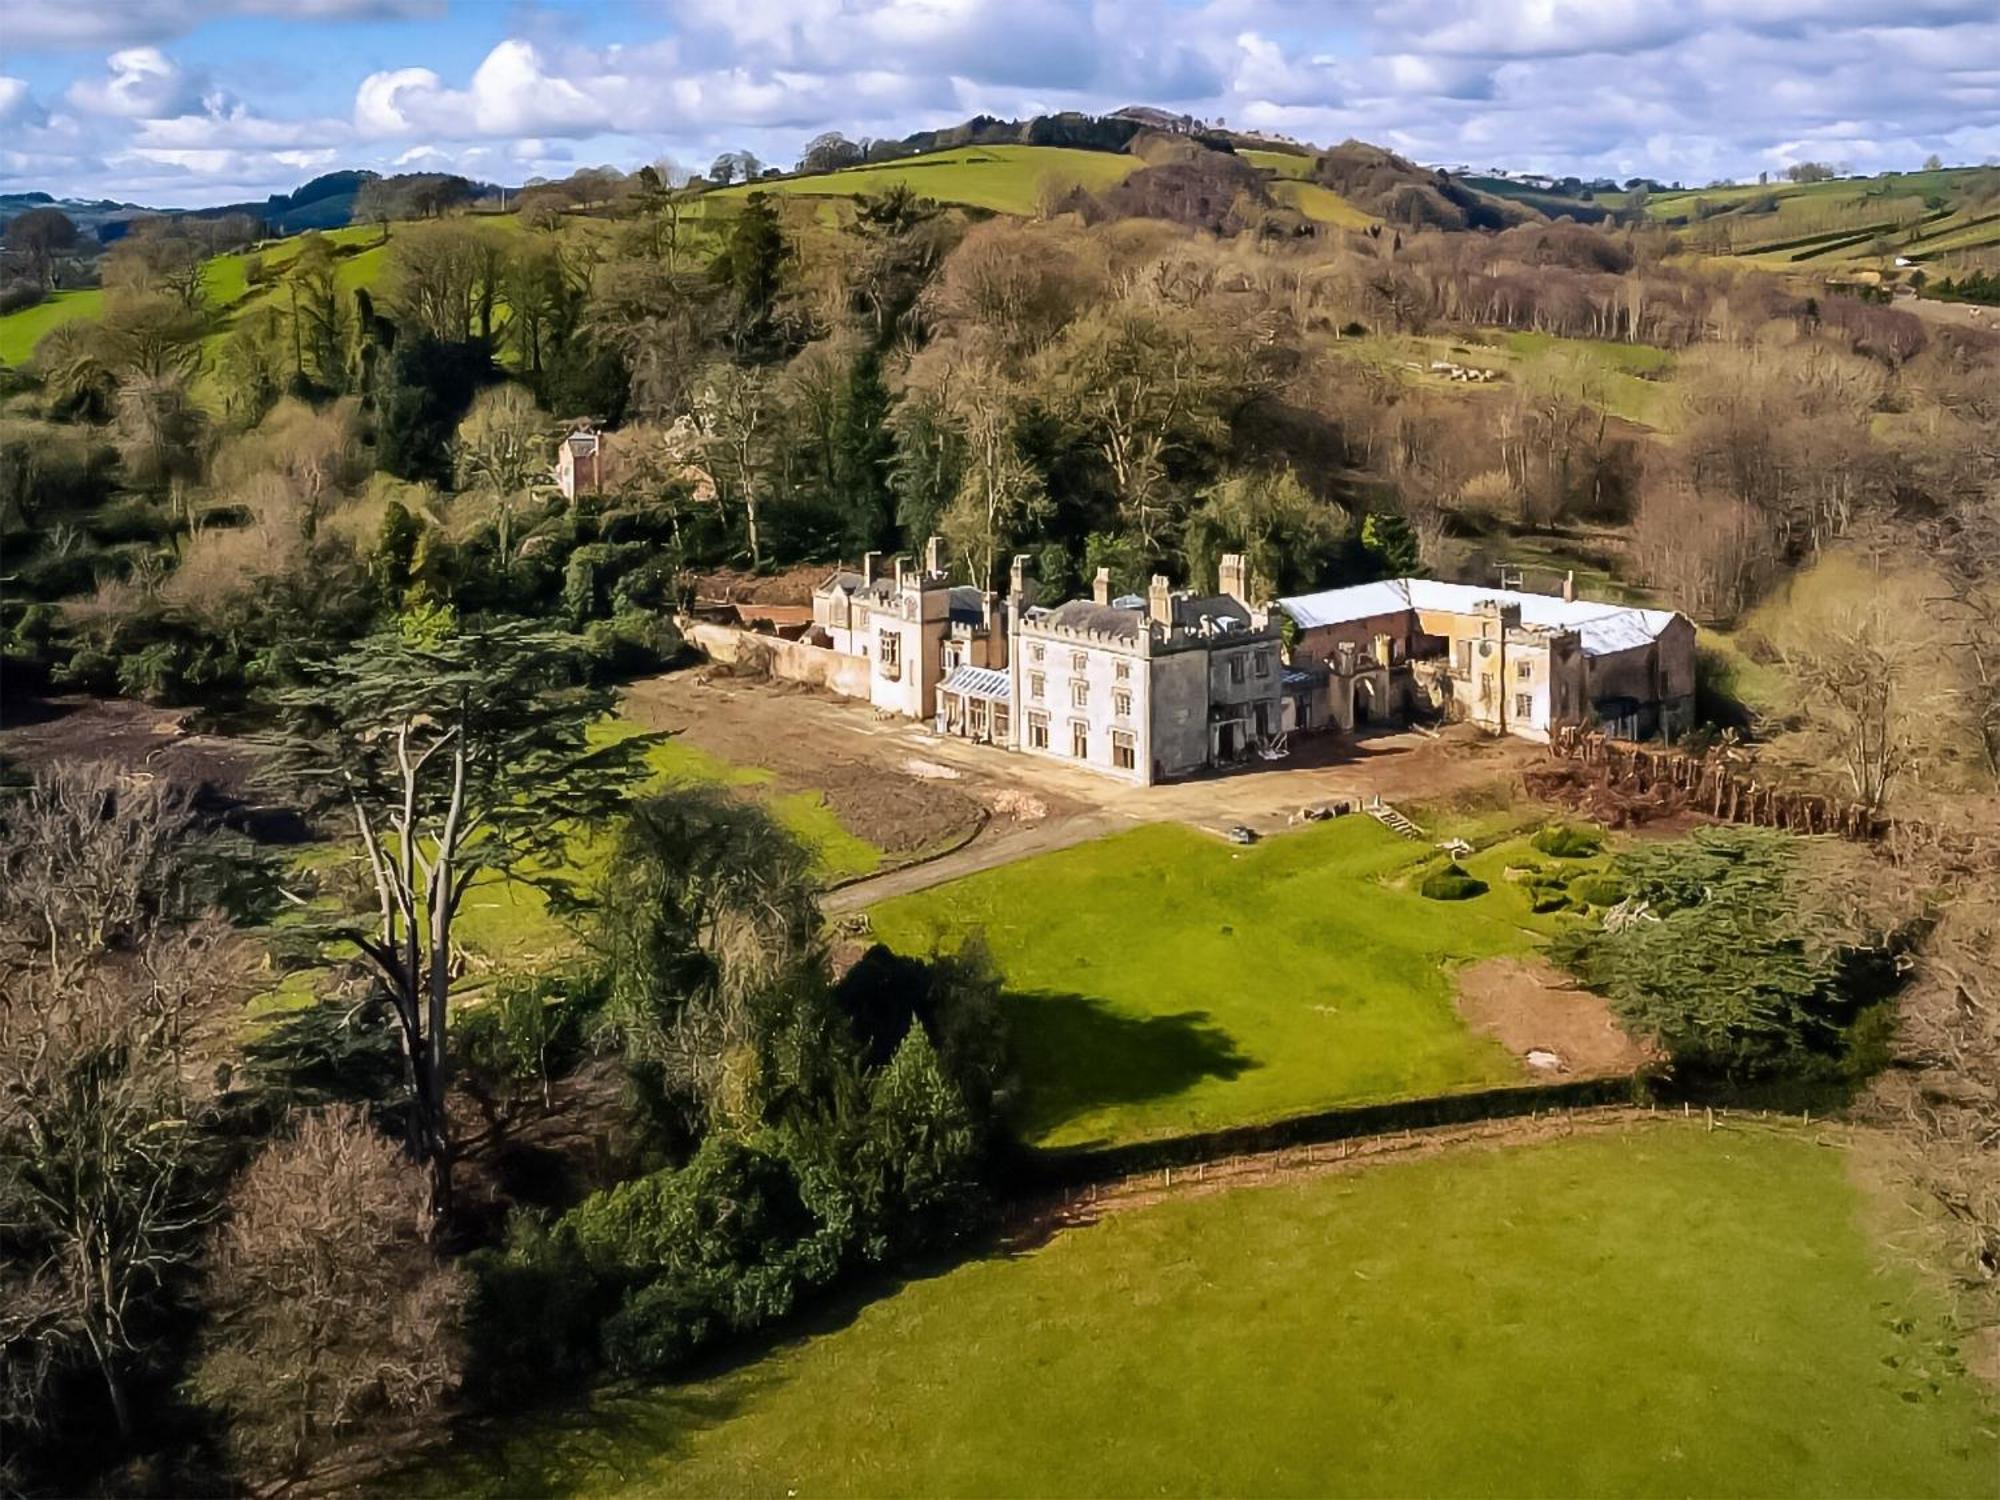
(1603, 627)
(1340, 606)
(979, 682)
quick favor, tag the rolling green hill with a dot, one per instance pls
(1320, 204)
(21, 331)
(1844, 225)
(1003, 179)
(1010, 179)
(226, 281)
(1292, 164)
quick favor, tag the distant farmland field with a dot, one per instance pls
(1005, 179)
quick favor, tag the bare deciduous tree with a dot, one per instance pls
(502, 453)
(1867, 670)
(329, 1306)
(113, 986)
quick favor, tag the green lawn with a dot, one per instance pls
(1656, 1312)
(1162, 981)
(511, 922)
(1005, 179)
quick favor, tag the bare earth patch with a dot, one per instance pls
(1545, 1020)
(131, 735)
(809, 744)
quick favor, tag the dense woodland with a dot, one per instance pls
(328, 525)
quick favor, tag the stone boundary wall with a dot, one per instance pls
(789, 661)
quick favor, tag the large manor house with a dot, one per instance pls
(1150, 687)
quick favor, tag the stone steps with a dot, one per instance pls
(1389, 818)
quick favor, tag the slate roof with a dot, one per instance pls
(968, 604)
(1104, 619)
(1189, 610)
(1603, 627)
(848, 582)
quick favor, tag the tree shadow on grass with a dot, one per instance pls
(607, 1439)
(1078, 1054)
(617, 1433)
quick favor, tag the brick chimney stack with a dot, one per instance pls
(1160, 600)
(1569, 586)
(1100, 587)
(871, 565)
(934, 557)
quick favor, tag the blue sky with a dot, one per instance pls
(191, 101)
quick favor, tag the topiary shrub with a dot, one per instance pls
(1567, 841)
(1597, 890)
(1452, 883)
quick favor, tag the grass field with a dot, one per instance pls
(1885, 216)
(1655, 1312)
(1634, 381)
(21, 331)
(1322, 205)
(1005, 179)
(1279, 163)
(1162, 981)
(511, 922)
(226, 283)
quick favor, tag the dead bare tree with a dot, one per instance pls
(90, 862)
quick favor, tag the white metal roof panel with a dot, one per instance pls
(1603, 627)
